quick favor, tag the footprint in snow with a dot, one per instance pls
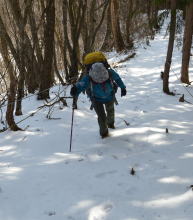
(81, 159)
(100, 153)
(115, 157)
(70, 218)
(50, 213)
(126, 140)
(107, 207)
(101, 175)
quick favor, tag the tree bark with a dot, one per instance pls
(170, 49)
(118, 39)
(129, 39)
(66, 41)
(46, 77)
(74, 11)
(187, 43)
(108, 40)
(12, 86)
(57, 71)
(20, 94)
(92, 24)
(29, 60)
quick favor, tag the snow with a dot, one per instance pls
(41, 180)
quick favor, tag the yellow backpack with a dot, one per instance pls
(94, 57)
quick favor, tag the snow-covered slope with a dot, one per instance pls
(40, 179)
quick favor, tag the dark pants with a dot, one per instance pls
(106, 115)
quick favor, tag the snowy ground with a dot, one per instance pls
(41, 180)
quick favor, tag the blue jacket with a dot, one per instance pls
(100, 92)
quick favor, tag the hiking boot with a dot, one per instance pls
(105, 135)
(112, 126)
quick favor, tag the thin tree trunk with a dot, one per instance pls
(187, 43)
(20, 94)
(57, 71)
(20, 89)
(130, 43)
(12, 87)
(9, 43)
(76, 12)
(36, 46)
(66, 41)
(108, 41)
(29, 60)
(46, 74)
(92, 23)
(170, 48)
(118, 39)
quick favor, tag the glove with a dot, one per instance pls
(123, 92)
(73, 91)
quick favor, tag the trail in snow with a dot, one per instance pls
(40, 179)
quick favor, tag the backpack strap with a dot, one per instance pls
(112, 82)
(114, 86)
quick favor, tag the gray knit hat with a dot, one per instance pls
(98, 73)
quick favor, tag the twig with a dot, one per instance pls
(124, 60)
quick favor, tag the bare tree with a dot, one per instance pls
(21, 49)
(108, 39)
(46, 77)
(131, 12)
(170, 49)
(25, 44)
(118, 39)
(73, 16)
(12, 87)
(187, 43)
(95, 15)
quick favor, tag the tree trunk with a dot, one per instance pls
(57, 71)
(187, 43)
(92, 24)
(46, 78)
(89, 26)
(37, 50)
(129, 39)
(66, 41)
(29, 60)
(108, 41)
(170, 48)
(12, 86)
(118, 39)
(20, 95)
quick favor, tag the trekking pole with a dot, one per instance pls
(72, 122)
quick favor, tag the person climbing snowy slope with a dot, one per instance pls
(101, 83)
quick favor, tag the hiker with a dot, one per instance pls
(100, 83)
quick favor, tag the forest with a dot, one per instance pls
(124, 151)
(43, 42)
